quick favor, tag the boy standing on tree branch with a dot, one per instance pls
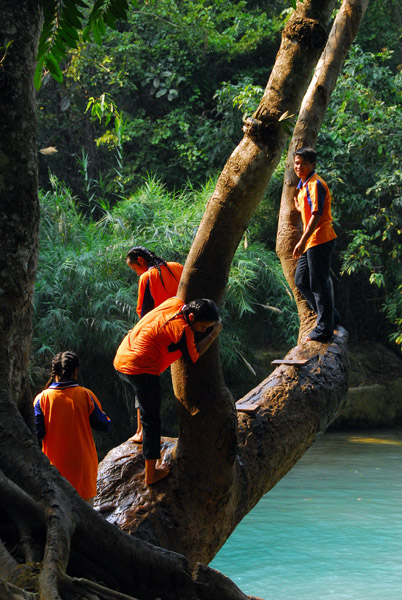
(316, 245)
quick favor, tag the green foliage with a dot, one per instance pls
(162, 71)
(393, 309)
(86, 296)
(179, 77)
(63, 23)
(360, 148)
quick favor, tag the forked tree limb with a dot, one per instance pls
(8, 591)
(24, 512)
(310, 118)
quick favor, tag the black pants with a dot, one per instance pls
(314, 281)
(148, 391)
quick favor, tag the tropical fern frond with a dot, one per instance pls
(65, 22)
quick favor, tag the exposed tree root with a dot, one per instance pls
(62, 525)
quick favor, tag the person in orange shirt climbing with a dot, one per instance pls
(158, 281)
(64, 414)
(161, 337)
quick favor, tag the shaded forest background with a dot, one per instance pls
(142, 126)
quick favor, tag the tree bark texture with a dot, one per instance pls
(19, 213)
(311, 116)
(194, 516)
(204, 403)
(59, 538)
(222, 464)
(218, 472)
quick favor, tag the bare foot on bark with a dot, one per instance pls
(153, 474)
(137, 438)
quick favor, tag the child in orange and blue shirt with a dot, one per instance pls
(316, 245)
(64, 414)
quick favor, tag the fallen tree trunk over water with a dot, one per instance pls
(290, 408)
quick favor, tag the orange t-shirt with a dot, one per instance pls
(314, 197)
(157, 285)
(64, 413)
(155, 342)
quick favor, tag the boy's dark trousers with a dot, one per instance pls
(313, 280)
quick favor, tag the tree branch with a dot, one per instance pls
(311, 116)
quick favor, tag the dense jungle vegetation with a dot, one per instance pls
(143, 124)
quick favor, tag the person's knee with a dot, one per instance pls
(150, 421)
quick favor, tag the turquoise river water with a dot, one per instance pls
(330, 530)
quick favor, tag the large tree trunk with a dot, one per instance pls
(19, 213)
(217, 473)
(311, 116)
(214, 480)
(206, 408)
(43, 519)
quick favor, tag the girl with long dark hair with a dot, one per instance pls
(158, 281)
(161, 337)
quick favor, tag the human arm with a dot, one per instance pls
(311, 227)
(97, 418)
(296, 203)
(39, 420)
(205, 343)
(145, 301)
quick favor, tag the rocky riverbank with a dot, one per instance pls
(374, 397)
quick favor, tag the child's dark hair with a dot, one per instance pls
(150, 257)
(64, 365)
(307, 153)
(203, 309)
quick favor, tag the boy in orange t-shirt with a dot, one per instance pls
(315, 248)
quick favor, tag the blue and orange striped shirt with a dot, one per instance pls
(314, 197)
(64, 415)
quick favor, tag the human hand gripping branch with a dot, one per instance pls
(205, 343)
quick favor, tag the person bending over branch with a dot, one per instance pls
(161, 337)
(159, 281)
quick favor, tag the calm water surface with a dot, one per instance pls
(331, 529)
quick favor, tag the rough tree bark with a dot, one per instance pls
(19, 212)
(217, 474)
(311, 115)
(223, 464)
(43, 520)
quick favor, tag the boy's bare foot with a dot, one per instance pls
(137, 438)
(153, 474)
